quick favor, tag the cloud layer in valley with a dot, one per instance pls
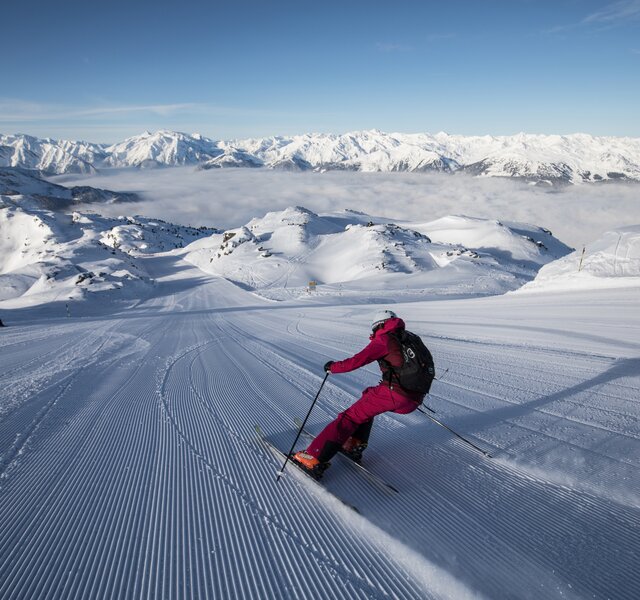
(229, 198)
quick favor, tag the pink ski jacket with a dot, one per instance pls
(382, 347)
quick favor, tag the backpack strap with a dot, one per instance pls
(389, 369)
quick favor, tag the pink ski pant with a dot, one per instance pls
(374, 401)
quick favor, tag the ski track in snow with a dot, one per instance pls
(130, 468)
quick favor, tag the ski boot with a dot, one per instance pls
(310, 464)
(353, 449)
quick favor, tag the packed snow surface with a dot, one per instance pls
(130, 467)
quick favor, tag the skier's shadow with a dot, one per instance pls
(623, 367)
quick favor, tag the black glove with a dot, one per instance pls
(327, 366)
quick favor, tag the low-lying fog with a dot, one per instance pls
(230, 197)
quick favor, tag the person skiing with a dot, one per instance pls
(349, 432)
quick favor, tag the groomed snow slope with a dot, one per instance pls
(129, 466)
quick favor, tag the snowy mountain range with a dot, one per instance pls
(551, 159)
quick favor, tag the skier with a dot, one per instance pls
(349, 432)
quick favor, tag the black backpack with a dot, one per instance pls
(417, 372)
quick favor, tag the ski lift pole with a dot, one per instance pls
(281, 472)
(455, 433)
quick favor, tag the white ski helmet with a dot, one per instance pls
(381, 316)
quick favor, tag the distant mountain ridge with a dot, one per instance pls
(552, 159)
(15, 182)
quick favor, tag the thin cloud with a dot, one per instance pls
(23, 111)
(17, 111)
(156, 109)
(391, 47)
(614, 15)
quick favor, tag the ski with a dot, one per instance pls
(372, 476)
(275, 450)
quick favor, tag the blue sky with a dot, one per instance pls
(102, 71)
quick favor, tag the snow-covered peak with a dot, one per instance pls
(293, 225)
(162, 148)
(231, 158)
(49, 156)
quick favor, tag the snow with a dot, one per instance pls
(547, 159)
(53, 156)
(48, 257)
(348, 253)
(160, 148)
(129, 464)
(611, 261)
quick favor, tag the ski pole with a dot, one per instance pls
(439, 379)
(454, 433)
(443, 374)
(281, 472)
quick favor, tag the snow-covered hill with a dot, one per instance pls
(552, 159)
(351, 253)
(48, 256)
(357, 151)
(611, 261)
